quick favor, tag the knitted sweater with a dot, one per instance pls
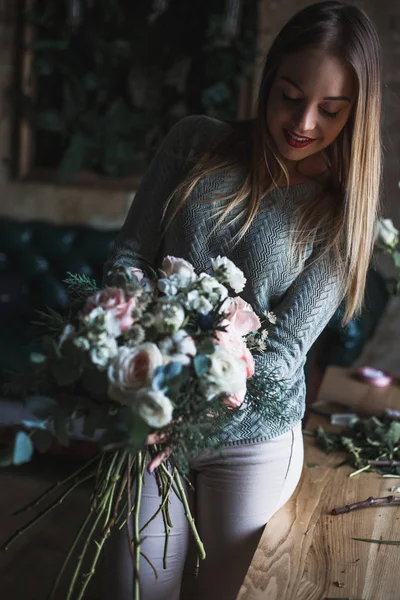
(303, 297)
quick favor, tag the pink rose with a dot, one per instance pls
(113, 299)
(241, 315)
(177, 266)
(234, 343)
(132, 369)
(138, 273)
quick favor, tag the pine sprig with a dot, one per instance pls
(80, 286)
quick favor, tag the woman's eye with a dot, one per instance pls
(289, 99)
(330, 115)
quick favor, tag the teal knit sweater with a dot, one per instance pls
(303, 297)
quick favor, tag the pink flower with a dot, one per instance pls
(232, 341)
(241, 315)
(138, 273)
(132, 369)
(113, 299)
(177, 266)
(235, 400)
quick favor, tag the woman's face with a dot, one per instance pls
(309, 104)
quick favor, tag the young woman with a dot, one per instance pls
(292, 198)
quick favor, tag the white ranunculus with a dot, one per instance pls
(131, 369)
(211, 286)
(178, 266)
(234, 276)
(168, 316)
(180, 347)
(101, 320)
(194, 300)
(227, 373)
(153, 406)
(103, 352)
(386, 234)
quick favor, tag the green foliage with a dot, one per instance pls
(110, 87)
(19, 453)
(80, 286)
(368, 439)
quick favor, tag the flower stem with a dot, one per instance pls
(184, 500)
(53, 487)
(70, 551)
(104, 497)
(43, 513)
(136, 530)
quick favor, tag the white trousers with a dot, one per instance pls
(236, 493)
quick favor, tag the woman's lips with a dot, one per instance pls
(295, 140)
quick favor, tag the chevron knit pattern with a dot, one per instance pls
(303, 297)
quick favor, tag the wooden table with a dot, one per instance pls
(308, 554)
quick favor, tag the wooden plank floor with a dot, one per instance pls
(29, 567)
(308, 554)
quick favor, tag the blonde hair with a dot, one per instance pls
(341, 220)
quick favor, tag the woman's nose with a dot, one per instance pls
(306, 120)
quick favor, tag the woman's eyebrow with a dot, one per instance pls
(326, 97)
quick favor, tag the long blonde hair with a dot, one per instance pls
(341, 219)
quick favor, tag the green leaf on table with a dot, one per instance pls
(311, 465)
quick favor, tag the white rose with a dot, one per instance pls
(131, 369)
(154, 407)
(234, 276)
(178, 266)
(168, 316)
(178, 348)
(386, 234)
(227, 373)
(103, 352)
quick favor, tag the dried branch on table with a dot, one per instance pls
(365, 503)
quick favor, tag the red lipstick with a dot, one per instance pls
(296, 141)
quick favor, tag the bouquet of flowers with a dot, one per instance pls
(153, 365)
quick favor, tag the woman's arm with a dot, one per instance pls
(139, 240)
(303, 313)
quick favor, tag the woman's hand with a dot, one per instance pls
(232, 401)
(157, 438)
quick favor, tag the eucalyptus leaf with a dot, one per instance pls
(201, 364)
(19, 453)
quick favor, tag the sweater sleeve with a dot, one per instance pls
(302, 314)
(139, 240)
